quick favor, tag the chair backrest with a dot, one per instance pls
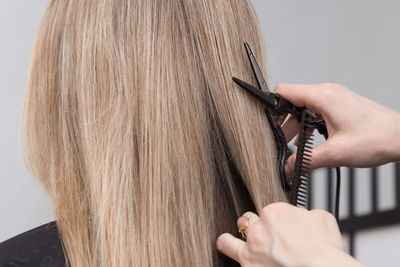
(353, 222)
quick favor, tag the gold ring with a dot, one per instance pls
(243, 229)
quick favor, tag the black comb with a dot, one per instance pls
(298, 194)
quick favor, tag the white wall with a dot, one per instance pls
(23, 204)
(355, 43)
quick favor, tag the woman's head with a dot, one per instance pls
(134, 128)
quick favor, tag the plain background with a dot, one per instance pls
(355, 43)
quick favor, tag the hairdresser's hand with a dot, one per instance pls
(284, 235)
(362, 133)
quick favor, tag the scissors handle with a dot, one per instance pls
(283, 150)
(282, 106)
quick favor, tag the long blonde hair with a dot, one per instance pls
(136, 131)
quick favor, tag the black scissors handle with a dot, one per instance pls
(282, 149)
(282, 107)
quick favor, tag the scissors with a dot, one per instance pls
(276, 107)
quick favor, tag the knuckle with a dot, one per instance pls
(246, 218)
(255, 234)
(325, 216)
(268, 212)
(248, 213)
(328, 93)
(317, 212)
(333, 89)
(244, 255)
(278, 88)
(328, 85)
(329, 90)
(271, 210)
(276, 252)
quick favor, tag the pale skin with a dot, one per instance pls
(362, 133)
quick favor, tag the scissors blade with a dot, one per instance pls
(256, 69)
(265, 97)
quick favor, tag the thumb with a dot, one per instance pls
(320, 156)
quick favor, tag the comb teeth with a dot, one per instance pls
(299, 193)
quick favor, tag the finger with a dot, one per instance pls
(291, 128)
(320, 157)
(296, 141)
(230, 246)
(291, 161)
(289, 165)
(302, 95)
(246, 221)
(323, 156)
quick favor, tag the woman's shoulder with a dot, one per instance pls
(40, 246)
